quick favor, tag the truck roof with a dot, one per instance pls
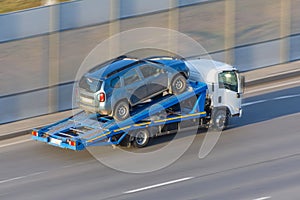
(205, 70)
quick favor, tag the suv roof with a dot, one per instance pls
(107, 69)
(121, 63)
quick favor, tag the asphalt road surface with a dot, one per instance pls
(258, 157)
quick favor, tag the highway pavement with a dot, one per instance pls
(256, 158)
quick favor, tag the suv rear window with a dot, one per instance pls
(90, 84)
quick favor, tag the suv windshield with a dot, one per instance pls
(90, 84)
(228, 80)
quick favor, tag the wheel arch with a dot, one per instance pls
(183, 74)
(117, 102)
(180, 73)
(226, 108)
(215, 117)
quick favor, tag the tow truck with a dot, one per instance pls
(209, 101)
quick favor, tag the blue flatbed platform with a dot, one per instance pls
(82, 130)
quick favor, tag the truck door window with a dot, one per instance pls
(228, 80)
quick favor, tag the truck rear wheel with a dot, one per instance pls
(141, 138)
(219, 119)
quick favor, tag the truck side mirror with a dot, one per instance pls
(243, 83)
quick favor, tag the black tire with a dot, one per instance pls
(220, 119)
(121, 111)
(141, 138)
(126, 142)
(178, 84)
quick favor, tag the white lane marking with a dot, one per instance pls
(13, 143)
(21, 177)
(254, 102)
(266, 100)
(263, 198)
(272, 87)
(158, 185)
(286, 97)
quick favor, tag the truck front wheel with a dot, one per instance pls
(219, 119)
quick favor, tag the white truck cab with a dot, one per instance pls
(225, 88)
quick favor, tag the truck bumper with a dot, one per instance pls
(59, 143)
(239, 114)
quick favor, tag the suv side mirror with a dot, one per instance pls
(162, 71)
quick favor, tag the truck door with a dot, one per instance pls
(230, 91)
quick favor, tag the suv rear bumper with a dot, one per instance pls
(93, 109)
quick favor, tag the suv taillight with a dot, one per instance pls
(101, 97)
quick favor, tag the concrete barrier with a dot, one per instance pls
(80, 13)
(83, 13)
(24, 23)
(294, 51)
(74, 14)
(33, 103)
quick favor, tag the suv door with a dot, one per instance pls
(135, 87)
(156, 78)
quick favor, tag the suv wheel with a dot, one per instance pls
(121, 111)
(178, 84)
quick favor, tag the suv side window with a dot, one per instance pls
(131, 77)
(149, 70)
(115, 82)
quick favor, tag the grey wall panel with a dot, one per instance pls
(70, 15)
(36, 103)
(259, 55)
(74, 14)
(189, 2)
(88, 12)
(23, 106)
(84, 13)
(219, 56)
(20, 106)
(65, 94)
(24, 24)
(137, 7)
(295, 47)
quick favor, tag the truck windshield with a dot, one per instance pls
(90, 84)
(228, 80)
